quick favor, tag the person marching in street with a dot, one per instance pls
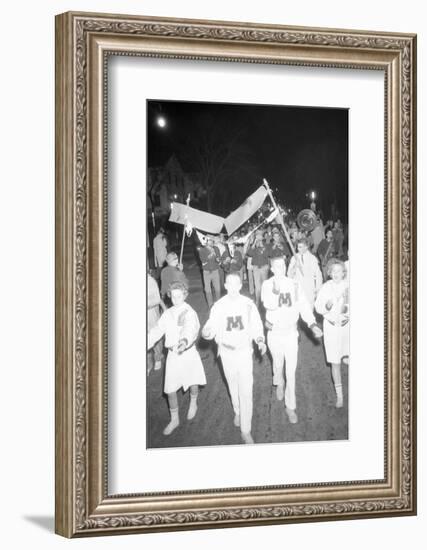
(234, 322)
(184, 368)
(232, 259)
(258, 254)
(326, 251)
(211, 259)
(317, 235)
(304, 268)
(160, 248)
(220, 245)
(338, 234)
(278, 247)
(239, 247)
(154, 303)
(333, 303)
(285, 301)
(295, 233)
(172, 273)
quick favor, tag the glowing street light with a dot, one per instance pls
(161, 122)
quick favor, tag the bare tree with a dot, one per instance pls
(219, 154)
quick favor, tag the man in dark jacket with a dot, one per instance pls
(210, 259)
(172, 273)
(325, 251)
(278, 248)
(258, 252)
(232, 259)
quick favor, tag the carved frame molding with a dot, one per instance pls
(83, 44)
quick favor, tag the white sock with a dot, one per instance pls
(280, 392)
(292, 415)
(247, 438)
(340, 399)
(174, 423)
(193, 407)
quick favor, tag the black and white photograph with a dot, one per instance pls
(248, 311)
(213, 232)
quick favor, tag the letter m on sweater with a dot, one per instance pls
(235, 323)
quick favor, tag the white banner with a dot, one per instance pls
(183, 214)
(246, 210)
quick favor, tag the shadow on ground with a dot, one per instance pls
(46, 523)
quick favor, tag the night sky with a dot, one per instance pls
(297, 149)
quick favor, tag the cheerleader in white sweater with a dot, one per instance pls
(285, 302)
(234, 322)
(184, 368)
(332, 303)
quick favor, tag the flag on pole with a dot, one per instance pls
(246, 210)
(188, 228)
(185, 215)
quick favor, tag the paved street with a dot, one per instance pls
(213, 424)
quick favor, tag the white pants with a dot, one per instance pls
(238, 370)
(283, 346)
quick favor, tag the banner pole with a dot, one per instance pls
(183, 233)
(270, 194)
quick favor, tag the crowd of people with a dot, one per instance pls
(289, 275)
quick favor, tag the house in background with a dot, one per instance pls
(169, 183)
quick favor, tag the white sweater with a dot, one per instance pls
(234, 323)
(336, 296)
(175, 324)
(285, 301)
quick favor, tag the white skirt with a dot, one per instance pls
(336, 341)
(183, 370)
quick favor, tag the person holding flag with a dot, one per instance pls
(278, 248)
(304, 268)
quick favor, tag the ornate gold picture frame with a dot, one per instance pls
(84, 42)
